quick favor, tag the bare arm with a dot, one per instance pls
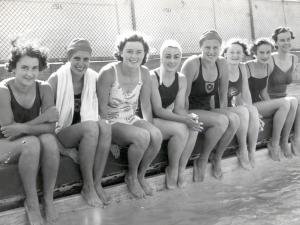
(145, 95)
(189, 69)
(246, 95)
(223, 88)
(105, 80)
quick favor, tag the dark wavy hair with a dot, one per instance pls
(22, 48)
(236, 41)
(261, 41)
(280, 30)
(130, 37)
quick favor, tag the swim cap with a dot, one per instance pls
(210, 35)
(79, 44)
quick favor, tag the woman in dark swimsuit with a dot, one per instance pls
(27, 119)
(258, 72)
(283, 67)
(170, 116)
(207, 75)
(239, 95)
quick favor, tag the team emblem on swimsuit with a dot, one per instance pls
(209, 86)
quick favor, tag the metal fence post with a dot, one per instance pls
(133, 17)
(251, 20)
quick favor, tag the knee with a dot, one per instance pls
(181, 131)
(293, 104)
(104, 129)
(90, 129)
(234, 120)
(31, 147)
(244, 115)
(285, 106)
(142, 139)
(49, 144)
(156, 137)
(221, 123)
(253, 112)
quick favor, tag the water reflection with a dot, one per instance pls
(266, 195)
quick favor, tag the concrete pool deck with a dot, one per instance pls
(120, 193)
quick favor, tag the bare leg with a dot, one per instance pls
(241, 134)
(253, 130)
(102, 152)
(296, 139)
(151, 152)
(84, 134)
(288, 127)
(215, 125)
(278, 108)
(49, 164)
(234, 123)
(28, 169)
(138, 140)
(189, 147)
(176, 133)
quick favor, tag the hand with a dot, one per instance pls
(51, 115)
(193, 122)
(14, 130)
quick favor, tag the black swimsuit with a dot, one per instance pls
(202, 91)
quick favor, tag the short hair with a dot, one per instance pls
(170, 43)
(261, 41)
(130, 37)
(280, 30)
(29, 48)
(236, 41)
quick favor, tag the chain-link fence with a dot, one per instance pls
(55, 23)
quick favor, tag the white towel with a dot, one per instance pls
(65, 97)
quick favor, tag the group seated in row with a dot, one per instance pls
(80, 110)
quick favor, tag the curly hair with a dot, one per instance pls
(261, 41)
(130, 37)
(236, 41)
(280, 30)
(27, 48)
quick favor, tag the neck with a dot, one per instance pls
(166, 73)
(282, 55)
(128, 71)
(22, 88)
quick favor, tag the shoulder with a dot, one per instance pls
(192, 60)
(107, 72)
(53, 78)
(221, 61)
(44, 87)
(145, 72)
(4, 92)
(181, 79)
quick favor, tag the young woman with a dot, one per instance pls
(258, 72)
(27, 120)
(170, 116)
(207, 74)
(282, 67)
(239, 94)
(119, 86)
(74, 85)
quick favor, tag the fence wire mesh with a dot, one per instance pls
(55, 23)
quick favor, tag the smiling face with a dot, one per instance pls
(171, 58)
(284, 42)
(27, 70)
(234, 54)
(211, 50)
(263, 53)
(80, 61)
(133, 54)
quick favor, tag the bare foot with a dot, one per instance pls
(50, 213)
(274, 152)
(134, 187)
(181, 183)
(242, 156)
(199, 171)
(106, 199)
(90, 196)
(252, 158)
(287, 152)
(170, 179)
(295, 147)
(33, 214)
(216, 168)
(146, 186)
